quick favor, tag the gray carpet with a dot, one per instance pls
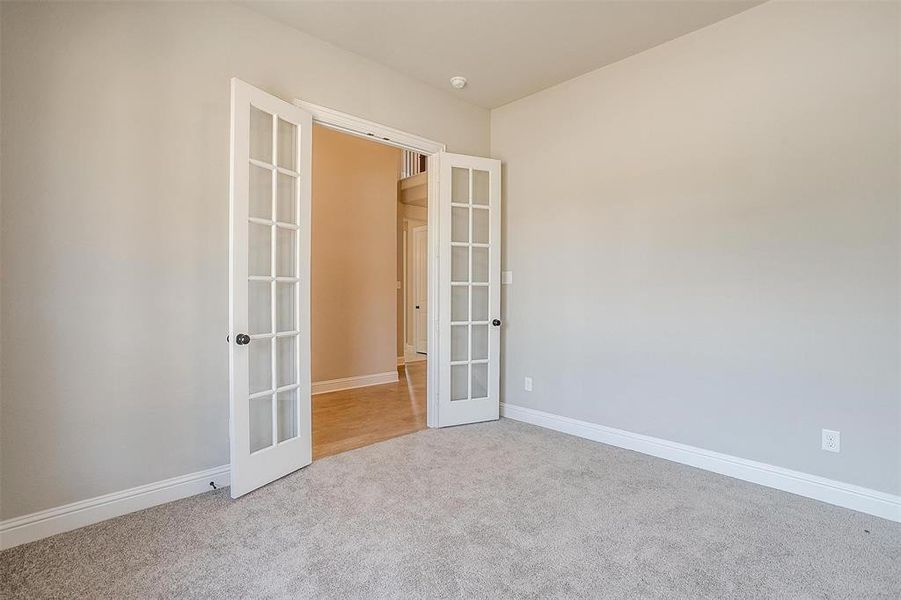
(500, 510)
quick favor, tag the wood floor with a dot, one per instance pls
(354, 418)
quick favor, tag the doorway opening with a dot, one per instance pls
(270, 275)
(369, 291)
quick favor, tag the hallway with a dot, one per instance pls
(350, 419)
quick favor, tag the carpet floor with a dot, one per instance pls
(495, 510)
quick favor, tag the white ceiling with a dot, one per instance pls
(506, 50)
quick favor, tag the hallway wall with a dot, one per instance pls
(354, 254)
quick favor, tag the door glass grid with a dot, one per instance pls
(470, 260)
(273, 284)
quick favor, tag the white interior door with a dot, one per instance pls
(269, 288)
(469, 204)
(420, 289)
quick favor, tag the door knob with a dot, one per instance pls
(242, 339)
(496, 322)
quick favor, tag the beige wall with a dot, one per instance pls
(705, 241)
(115, 124)
(354, 255)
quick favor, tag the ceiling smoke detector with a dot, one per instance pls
(458, 83)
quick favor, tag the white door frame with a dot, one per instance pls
(356, 126)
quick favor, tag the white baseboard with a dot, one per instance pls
(41, 524)
(873, 502)
(349, 383)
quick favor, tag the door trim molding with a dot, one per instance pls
(350, 383)
(364, 128)
(846, 495)
(44, 523)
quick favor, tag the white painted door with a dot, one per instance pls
(269, 288)
(420, 289)
(469, 244)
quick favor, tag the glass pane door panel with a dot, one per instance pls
(459, 382)
(460, 342)
(479, 380)
(260, 193)
(459, 224)
(287, 145)
(284, 307)
(287, 199)
(287, 415)
(260, 249)
(260, 423)
(479, 342)
(260, 365)
(480, 225)
(480, 265)
(479, 303)
(259, 307)
(260, 135)
(286, 348)
(286, 255)
(460, 185)
(480, 188)
(460, 303)
(460, 264)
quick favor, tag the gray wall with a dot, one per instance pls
(115, 227)
(705, 241)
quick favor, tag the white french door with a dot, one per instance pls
(269, 288)
(469, 204)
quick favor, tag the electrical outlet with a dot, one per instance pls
(832, 440)
(528, 384)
